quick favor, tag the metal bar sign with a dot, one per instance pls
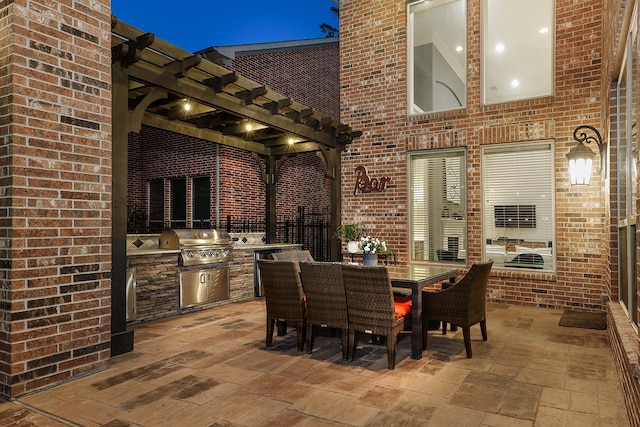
(365, 184)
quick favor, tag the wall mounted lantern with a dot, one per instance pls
(581, 157)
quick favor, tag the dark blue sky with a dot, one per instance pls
(197, 24)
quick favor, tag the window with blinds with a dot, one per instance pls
(438, 203)
(518, 225)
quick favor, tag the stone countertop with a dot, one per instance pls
(141, 252)
(236, 247)
(266, 246)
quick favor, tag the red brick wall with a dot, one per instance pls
(374, 33)
(55, 231)
(155, 153)
(303, 178)
(373, 99)
(242, 192)
(310, 75)
(623, 340)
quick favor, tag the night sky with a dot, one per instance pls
(197, 24)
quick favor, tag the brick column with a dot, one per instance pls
(55, 191)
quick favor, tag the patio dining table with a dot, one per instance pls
(415, 278)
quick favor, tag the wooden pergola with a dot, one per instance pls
(154, 81)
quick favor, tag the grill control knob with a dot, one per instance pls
(189, 254)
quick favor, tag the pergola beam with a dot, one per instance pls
(183, 128)
(196, 91)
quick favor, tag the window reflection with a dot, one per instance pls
(517, 49)
(437, 55)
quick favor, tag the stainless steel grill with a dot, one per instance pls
(198, 246)
(204, 273)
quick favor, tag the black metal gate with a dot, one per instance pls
(312, 231)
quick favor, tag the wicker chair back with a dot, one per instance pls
(370, 306)
(292, 255)
(283, 296)
(326, 300)
(463, 304)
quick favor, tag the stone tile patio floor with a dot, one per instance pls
(210, 368)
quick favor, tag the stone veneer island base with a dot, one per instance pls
(157, 276)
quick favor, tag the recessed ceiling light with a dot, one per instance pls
(459, 49)
(187, 106)
(499, 47)
(515, 83)
(543, 30)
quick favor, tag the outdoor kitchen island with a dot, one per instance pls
(154, 276)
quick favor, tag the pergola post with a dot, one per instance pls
(271, 178)
(121, 338)
(335, 168)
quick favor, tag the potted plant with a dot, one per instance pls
(352, 233)
(371, 247)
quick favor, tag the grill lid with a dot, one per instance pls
(190, 238)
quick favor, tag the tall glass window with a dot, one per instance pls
(627, 156)
(518, 225)
(178, 217)
(438, 207)
(156, 205)
(201, 202)
(437, 78)
(517, 49)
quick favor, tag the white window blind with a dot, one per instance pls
(438, 207)
(518, 224)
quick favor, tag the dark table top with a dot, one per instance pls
(423, 275)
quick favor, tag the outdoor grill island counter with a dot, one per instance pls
(155, 276)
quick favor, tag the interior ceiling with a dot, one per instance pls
(163, 78)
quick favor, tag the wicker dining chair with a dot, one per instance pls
(371, 308)
(463, 304)
(326, 300)
(283, 296)
(292, 255)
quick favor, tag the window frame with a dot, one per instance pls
(509, 243)
(410, 63)
(484, 26)
(176, 205)
(462, 154)
(626, 145)
(156, 204)
(195, 203)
